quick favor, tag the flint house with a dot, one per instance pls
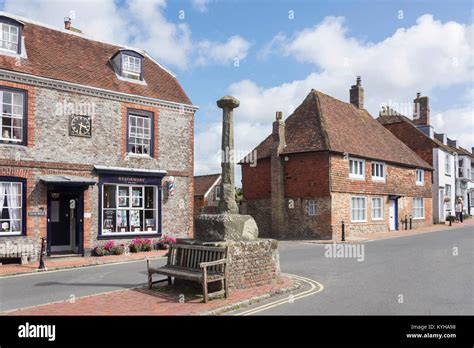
(90, 132)
(329, 162)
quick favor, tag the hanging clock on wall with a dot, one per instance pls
(80, 126)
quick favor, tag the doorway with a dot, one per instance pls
(65, 221)
(393, 214)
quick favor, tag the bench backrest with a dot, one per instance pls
(190, 256)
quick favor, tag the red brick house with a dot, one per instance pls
(330, 162)
(451, 163)
(207, 191)
(90, 133)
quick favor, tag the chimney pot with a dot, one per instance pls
(67, 23)
(356, 94)
(279, 115)
(421, 112)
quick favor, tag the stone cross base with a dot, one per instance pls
(251, 263)
(225, 227)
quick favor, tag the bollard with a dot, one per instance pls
(343, 235)
(406, 223)
(43, 251)
(411, 221)
(450, 219)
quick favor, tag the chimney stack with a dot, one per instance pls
(356, 94)
(277, 177)
(421, 112)
(67, 23)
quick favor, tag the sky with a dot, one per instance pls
(270, 53)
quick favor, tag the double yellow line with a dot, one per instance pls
(315, 287)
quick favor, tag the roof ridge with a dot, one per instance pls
(85, 37)
(319, 117)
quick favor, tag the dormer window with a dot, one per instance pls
(131, 67)
(128, 65)
(10, 35)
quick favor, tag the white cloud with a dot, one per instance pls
(102, 22)
(139, 23)
(428, 55)
(200, 5)
(233, 50)
(457, 124)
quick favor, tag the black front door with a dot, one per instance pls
(65, 221)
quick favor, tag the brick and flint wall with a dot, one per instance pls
(324, 178)
(52, 151)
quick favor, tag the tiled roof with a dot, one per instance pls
(66, 56)
(203, 183)
(324, 123)
(398, 118)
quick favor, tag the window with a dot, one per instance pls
(11, 210)
(140, 132)
(378, 171)
(358, 209)
(418, 208)
(447, 164)
(356, 168)
(447, 190)
(419, 176)
(311, 208)
(217, 193)
(10, 39)
(12, 117)
(131, 67)
(129, 209)
(377, 208)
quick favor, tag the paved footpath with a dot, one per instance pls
(161, 300)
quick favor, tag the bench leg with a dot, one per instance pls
(204, 291)
(170, 281)
(226, 288)
(150, 280)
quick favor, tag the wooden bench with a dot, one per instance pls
(203, 264)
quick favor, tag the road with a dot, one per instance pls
(429, 273)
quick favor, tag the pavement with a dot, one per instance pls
(423, 273)
(55, 263)
(161, 300)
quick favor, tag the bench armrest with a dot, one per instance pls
(212, 263)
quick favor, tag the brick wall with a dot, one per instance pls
(256, 182)
(253, 263)
(399, 180)
(306, 175)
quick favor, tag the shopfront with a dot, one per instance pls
(130, 203)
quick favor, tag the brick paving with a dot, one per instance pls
(161, 300)
(73, 262)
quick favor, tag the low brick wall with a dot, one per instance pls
(253, 263)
